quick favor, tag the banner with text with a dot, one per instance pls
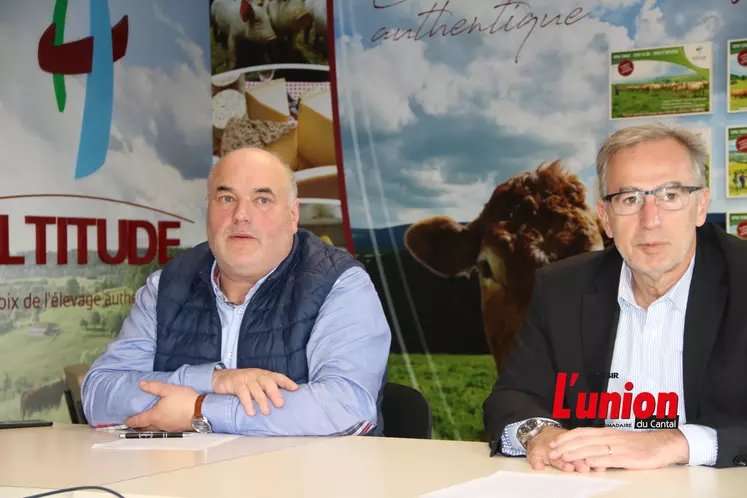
(105, 111)
(469, 133)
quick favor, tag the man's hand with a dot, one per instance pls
(252, 384)
(172, 413)
(538, 452)
(607, 448)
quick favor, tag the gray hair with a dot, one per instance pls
(637, 135)
(291, 185)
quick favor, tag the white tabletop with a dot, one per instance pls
(308, 467)
(386, 467)
(61, 456)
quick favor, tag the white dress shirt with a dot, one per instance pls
(648, 353)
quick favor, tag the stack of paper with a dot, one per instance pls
(530, 485)
(193, 442)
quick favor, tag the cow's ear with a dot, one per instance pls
(443, 246)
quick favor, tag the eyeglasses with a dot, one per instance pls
(672, 198)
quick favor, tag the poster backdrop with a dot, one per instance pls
(105, 155)
(111, 111)
(271, 89)
(449, 145)
(469, 132)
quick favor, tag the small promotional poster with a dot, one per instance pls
(737, 83)
(661, 81)
(736, 224)
(736, 154)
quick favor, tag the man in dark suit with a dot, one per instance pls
(660, 311)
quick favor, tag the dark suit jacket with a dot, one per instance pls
(571, 327)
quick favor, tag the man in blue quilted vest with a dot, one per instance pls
(262, 330)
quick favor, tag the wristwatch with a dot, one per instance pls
(531, 428)
(199, 422)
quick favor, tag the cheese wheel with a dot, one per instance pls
(226, 105)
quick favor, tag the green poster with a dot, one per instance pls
(736, 224)
(736, 153)
(737, 82)
(661, 81)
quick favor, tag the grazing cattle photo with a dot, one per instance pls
(42, 398)
(531, 220)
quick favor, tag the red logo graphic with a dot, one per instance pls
(612, 405)
(742, 230)
(625, 68)
(76, 57)
(742, 57)
(742, 143)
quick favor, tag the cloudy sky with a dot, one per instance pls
(430, 127)
(160, 143)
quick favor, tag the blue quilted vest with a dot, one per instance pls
(277, 324)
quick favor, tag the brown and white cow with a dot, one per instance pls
(42, 398)
(532, 219)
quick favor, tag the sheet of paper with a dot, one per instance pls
(194, 442)
(504, 484)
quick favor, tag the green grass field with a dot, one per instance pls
(741, 102)
(736, 167)
(641, 102)
(465, 380)
(32, 361)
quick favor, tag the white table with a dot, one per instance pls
(301, 467)
(61, 457)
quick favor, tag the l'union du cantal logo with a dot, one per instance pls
(94, 56)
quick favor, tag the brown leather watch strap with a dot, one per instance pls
(198, 405)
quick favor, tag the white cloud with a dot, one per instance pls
(650, 26)
(617, 4)
(642, 71)
(706, 27)
(460, 202)
(382, 78)
(651, 32)
(169, 22)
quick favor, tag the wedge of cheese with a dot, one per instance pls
(316, 135)
(269, 102)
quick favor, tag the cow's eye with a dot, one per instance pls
(485, 270)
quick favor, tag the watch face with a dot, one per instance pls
(527, 427)
(201, 424)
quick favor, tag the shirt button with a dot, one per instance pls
(241, 312)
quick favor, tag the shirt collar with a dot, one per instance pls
(215, 272)
(677, 295)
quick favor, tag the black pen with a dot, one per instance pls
(151, 435)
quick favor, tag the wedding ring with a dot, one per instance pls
(609, 449)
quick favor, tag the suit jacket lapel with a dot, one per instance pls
(600, 312)
(705, 307)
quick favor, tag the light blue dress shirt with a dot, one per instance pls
(648, 352)
(347, 357)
